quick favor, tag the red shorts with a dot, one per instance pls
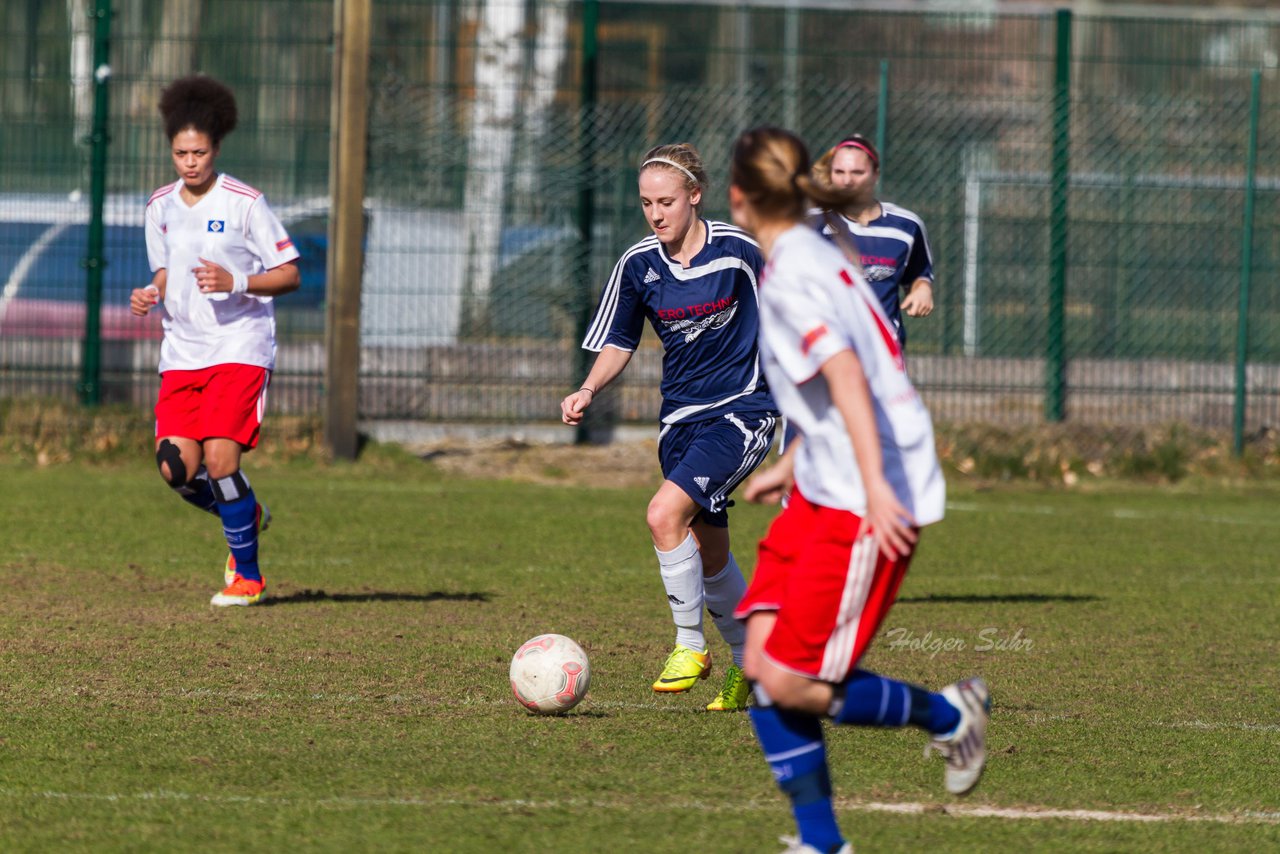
(829, 584)
(221, 402)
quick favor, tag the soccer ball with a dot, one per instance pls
(549, 674)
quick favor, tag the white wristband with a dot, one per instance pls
(239, 283)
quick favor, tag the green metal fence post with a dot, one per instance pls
(586, 192)
(882, 112)
(1246, 265)
(91, 352)
(1059, 185)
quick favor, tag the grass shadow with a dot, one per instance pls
(305, 596)
(999, 597)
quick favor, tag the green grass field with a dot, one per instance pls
(1130, 635)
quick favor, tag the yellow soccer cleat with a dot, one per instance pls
(734, 694)
(683, 669)
(229, 570)
(241, 591)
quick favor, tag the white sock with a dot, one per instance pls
(724, 591)
(681, 570)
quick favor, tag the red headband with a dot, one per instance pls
(862, 146)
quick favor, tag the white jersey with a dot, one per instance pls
(233, 227)
(814, 305)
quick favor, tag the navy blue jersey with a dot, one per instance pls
(706, 315)
(895, 252)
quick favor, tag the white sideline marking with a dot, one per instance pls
(1124, 513)
(909, 808)
(1211, 725)
(1047, 814)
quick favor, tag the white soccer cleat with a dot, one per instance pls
(795, 846)
(965, 749)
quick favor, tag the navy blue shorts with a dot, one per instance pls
(708, 459)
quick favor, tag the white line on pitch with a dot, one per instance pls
(1124, 513)
(1212, 725)
(1048, 814)
(909, 808)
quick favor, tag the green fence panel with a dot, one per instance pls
(482, 148)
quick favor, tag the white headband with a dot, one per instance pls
(692, 177)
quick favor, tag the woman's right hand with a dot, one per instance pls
(572, 406)
(769, 486)
(142, 299)
(891, 523)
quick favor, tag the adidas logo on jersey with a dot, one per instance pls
(651, 276)
(702, 482)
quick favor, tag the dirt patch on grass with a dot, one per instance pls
(616, 466)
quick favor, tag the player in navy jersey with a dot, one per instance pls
(891, 239)
(863, 478)
(694, 281)
(219, 256)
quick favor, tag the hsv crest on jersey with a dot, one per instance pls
(217, 225)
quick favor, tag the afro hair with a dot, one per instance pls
(198, 102)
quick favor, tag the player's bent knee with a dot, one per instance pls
(169, 461)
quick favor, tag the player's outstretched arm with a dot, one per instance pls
(608, 365)
(889, 520)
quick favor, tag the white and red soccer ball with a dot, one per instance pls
(549, 674)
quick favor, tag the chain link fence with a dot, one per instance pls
(1132, 191)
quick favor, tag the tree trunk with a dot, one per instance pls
(172, 54)
(493, 119)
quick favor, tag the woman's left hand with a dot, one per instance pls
(919, 303)
(213, 279)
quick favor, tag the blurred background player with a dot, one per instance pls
(863, 477)
(891, 240)
(694, 280)
(219, 256)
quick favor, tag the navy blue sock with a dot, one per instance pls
(238, 508)
(199, 493)
(868, 699)
(793, 746)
